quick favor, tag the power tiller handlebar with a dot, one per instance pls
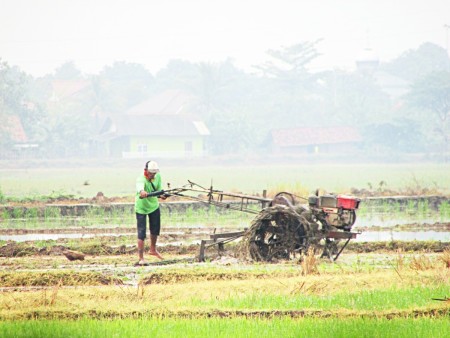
(166, 193)
(156, 193)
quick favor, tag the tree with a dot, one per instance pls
(294, 91)
(123, 85)
(414, 64)
(219, 92)
(358, 101)
(289, 65)
(67, 71)
(13, 100)
(12, 88)
(432, 94)
(392, 138)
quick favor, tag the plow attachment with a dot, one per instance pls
(282, 228)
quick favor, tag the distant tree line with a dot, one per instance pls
(240, 108)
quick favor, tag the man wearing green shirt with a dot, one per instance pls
(146, 206)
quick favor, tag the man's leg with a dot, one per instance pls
(140, 244)
(141, 234)
(153, 251)
(155, 226)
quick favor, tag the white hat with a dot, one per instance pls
(152, 167)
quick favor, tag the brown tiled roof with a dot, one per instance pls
(165, 114)
(309, 136)
(169, 102)
(67, 88)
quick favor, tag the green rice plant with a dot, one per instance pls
(31, 213)
(228, 327)
(189, 212)
(44, 243)
(424, 207)
(5, 215)
(2, 196)
(444, 211)
(396, 208)
(52, 212)
(375, 300)
(96, 214)
(17, 212)
(117, 214)
(411, 207)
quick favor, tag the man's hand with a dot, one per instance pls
(142, 194)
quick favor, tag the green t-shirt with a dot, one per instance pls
(149, 204)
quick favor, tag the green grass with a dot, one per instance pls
(376, 300)
(252, 179)
(444, 210)
(229, 327)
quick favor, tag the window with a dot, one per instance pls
(188, 146)
(142, 148)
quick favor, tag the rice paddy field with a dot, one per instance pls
(393, 280)
(117, 179)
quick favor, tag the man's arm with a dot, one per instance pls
(140, 188)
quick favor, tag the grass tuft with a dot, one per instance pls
(446, 258)
(309, 263)
(421, 263)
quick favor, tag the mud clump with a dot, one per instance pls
(13, 249)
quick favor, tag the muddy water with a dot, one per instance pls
(383, 236)
(367, 236)
(375, 224)
(411, 232)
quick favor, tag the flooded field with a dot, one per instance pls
(408, 232)
(385, 219)
(396, 269)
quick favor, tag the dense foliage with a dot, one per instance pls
(241, 108)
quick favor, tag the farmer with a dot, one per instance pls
(148, 206)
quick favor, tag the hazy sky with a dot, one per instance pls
(40, 35)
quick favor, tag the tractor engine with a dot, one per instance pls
(334, 210)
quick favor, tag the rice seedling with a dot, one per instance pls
(228, 327)
(51, 213)
(444, 211)
(32, 213)
(17, 212)
(5, 215)
(2, 196)
(315, 294)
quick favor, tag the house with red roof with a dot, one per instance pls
(68, 89)
(12, 129)
(14, 140)
(315, 140)
(160, 127)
